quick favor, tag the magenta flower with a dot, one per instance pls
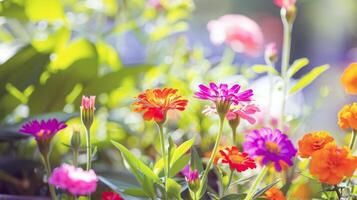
(192, 177)
(43, 130)
(270, 147)
(285, 3)
(239, 32)
(74, 180)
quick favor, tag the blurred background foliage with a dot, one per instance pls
(53, 52)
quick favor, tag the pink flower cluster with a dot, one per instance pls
(74, 180)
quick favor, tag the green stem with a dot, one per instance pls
(75, 157)
(89, 149)
(353, 139)
(47, 165)
(229, 181)
(337, 191)
(234, 132)
(214, 152)
(252, 189)
(164, 156)
(285, 65)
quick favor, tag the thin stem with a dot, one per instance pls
(256, 183)
(234, 132)
(353, 139)
(337, 192)
(285, 65)
(89, 149)
(164, 156)
(75, 157)
(47, 165)
(229, 181)
(214, 152)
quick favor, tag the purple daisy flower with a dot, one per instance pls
(43, 130)
(222, 92)
(270, 146)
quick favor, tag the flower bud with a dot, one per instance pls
(193, 180)
(271, 53)
(76, 137)
(289, 14)
(87, 111)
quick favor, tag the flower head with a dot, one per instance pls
(74, 180)
(270, 146)
(87, 110)
(156, 102)
(332, 164)
(192, 177)
(347, 117)
(274, 194)
(312, 142)
(223, 96)
(349, 79)
(285, 3)
(239, 32)
(43, 131)
(111, 196)
(236, 160)
(271, 53)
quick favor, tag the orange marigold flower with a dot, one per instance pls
(349, 79)
(274, 194)
(156, 102)
(312, 142)
(239, 161)
(332, 164)
(347, 117)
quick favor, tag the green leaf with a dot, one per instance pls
(136, 163)
(296, 66)
(264, 189)
(179, 165)
(234, 197)
(136, 192)
(196, 162)
(181, 150)
(108, 55)
(173, 189)
(50, 11)
(308, 78)
(264, 69)
(116, 185)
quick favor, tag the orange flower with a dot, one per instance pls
(239, 161)
(312, 142)
(347, 117)
(349, 79)
(274, 194)
(332, 164)
(156, 102)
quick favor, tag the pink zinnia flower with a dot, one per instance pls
(285, 3)
(88, 102)
(239, 32)
(74, 180)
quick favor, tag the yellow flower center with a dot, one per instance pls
(272, 147)
(237, 158)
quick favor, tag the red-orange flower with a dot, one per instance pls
(349, 79)
(239, 161)
(347, 117)
(332, 164)
(274, 194)
(312, 142)
(156, 102)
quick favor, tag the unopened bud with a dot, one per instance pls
(271, 53)
(76, 137)
(87, 111)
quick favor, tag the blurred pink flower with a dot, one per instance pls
(156, 4)
(88, 102)
(241, 33)
(285, 3)
(74, 180)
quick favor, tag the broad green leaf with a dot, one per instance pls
(13, 9)
(50, 11)
(116, 185)
(181, 150)
(179, 165)
(159, 166)
(264, 69)
(308, 78)
(136, 192)
(173, 189)
(136, 163)
(264, 189)
(296, 66)
(196, 162)
(234, 197)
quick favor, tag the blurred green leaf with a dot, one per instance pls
(181, 150)
(173, 189)
(196, 162)
(179, 165)
(296, 66)
(50, 11)
(234, 197)
(136, 163)
(264, 189)
(53, 42)
(13, 9)
(308, 78)
(136, 192)
(264, 69)
(108, 56)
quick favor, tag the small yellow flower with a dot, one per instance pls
(347, 117)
